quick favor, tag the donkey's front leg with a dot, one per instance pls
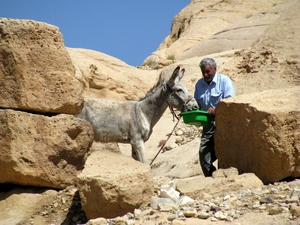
(138, 151)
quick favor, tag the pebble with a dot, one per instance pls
(295, 211)
(295, 193)
(190, 212)
(202, 215)
(266, 200)
(178, 140)
(292, 200)
(120, 220)
(172, 217)
(166, 207)
(63, 200)
(220, 215)
(275, 210)
(137, 213)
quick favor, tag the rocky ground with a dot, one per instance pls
(272, 204)
(276, 203)
(64, 209)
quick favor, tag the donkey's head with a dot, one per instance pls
(179, 97)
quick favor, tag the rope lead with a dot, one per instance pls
(178, 119)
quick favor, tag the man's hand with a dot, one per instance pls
(211, 111)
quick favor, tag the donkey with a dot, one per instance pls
(133, 121)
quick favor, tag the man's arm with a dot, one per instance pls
(228, 88)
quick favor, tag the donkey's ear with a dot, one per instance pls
(181, 73)
(176, 76)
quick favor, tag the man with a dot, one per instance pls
(209, 90)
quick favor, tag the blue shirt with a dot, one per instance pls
(208, 95)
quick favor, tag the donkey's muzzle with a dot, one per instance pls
(190, 105)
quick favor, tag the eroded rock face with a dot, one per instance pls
(200, 187)
(42, 151)
(110, 190)
(106, 77)
(36, 72)
(260, 133)
(190, 38)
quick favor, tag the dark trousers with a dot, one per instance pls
(207, 150)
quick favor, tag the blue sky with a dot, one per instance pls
(129, 30)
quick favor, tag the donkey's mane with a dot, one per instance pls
(154, 88)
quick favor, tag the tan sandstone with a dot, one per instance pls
(201, 21)
(16, 200)
(112, 185)
(199, 187)
(106, 77)
(259, 133)
(36, 73)
(42, 151)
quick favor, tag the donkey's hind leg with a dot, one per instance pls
(138, 152)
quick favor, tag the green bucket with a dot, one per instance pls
(197, 118)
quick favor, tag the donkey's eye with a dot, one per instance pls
(179, 91)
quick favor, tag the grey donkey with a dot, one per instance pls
(133, 121)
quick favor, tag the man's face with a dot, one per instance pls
(208, 73)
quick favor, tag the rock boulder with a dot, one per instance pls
(260, 133)
(36, 71)
(112, 185)
(42, 151)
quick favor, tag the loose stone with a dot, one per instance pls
(202, 215)
(190, 212)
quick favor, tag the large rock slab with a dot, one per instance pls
(36, 71)
(42, 151)
(190, 28)
(237, 36)
(19, 204)
(260, 133)
(112, 185)
(200, 187)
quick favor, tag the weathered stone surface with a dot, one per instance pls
(236, 24)
(99, 146)
(14, 202)
(200, 187)
(260, 133)
(112, 185)
(106, 77)
(36, 71)
(225, 173)
(42, 151)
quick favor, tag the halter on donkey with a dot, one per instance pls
(133, 121)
